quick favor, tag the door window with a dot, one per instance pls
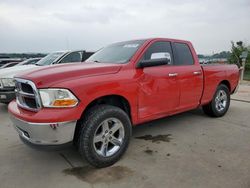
(159, 50)
(183, 55)
(72, 57)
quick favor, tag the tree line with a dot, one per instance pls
(22, 55)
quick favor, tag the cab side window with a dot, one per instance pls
(72, 57)
(159, 50)
(182, 54)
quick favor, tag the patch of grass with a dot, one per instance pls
(247, 75)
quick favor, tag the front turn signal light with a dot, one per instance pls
(64, 103)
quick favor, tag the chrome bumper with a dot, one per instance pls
(45, 133)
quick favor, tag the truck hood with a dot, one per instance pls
(49, 75)
(13, 71)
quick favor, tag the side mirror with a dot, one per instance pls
(153, 62)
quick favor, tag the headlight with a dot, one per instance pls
(8, 82)
(56, 98)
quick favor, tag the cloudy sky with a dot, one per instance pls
(51, 25)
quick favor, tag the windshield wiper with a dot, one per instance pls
(96, 61)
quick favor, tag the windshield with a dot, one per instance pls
(49, 59)
(117, 53)
(28, 62)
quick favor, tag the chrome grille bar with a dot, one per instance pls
(29, 101)
(26, 94)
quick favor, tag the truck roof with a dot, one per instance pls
(162, 38)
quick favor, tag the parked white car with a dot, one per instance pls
(7, 84)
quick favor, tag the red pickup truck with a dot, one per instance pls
(96, 103)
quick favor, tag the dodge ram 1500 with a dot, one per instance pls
(95, 104)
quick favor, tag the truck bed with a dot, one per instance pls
(215, 74)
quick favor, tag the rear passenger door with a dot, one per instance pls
(189, 76)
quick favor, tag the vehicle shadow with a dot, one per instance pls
(168, 122)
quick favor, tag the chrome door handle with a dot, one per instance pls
(172, 74)
(196, 72)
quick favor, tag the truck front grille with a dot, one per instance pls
(27, 88)
(27, 95)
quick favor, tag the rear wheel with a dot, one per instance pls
(105, 135)
(220, 103)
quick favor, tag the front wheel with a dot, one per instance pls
(220, 103)
(105, 135)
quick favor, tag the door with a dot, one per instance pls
(158, 88)
(189, 75)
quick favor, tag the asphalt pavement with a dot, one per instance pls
(185, 150)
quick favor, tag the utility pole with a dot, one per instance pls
(243, 56)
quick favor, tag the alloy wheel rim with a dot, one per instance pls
(108, 137)
(221, 100)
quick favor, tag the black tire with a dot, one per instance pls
(93, 118)
(211, 110)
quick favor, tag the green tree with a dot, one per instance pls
(236, 51)
(248, 60)
(223, 54)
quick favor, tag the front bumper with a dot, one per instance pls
(7, 96)
(54, 133)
